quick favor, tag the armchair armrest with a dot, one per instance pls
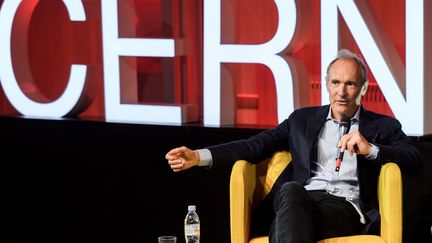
(390, 202)
(242, 185)
(249, 184)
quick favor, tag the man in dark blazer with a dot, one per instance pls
(312, 200)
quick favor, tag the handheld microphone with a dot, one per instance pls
(344, 127)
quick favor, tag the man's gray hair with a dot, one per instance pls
(346, 54)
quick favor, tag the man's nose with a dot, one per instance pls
(342, 90)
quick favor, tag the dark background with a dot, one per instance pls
(92, 181)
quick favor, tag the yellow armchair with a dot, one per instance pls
(250, 183)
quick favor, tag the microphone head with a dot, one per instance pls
(345, 124)
(345, 121)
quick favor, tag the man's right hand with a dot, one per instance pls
(182, 158)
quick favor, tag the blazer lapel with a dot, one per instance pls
(313, 126)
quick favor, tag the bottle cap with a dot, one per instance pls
(191, 208)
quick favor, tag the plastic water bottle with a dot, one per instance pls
(192, 225)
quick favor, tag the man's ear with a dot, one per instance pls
(364, 88)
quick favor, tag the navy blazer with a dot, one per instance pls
(299, 133)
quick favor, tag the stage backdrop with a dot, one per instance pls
(203, 64)
(213, 62)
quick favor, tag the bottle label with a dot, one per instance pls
(192, 229)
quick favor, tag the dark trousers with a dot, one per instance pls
(309, 216)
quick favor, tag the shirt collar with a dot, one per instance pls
(354, 119)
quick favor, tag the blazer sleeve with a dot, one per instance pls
(398, 148)
(253, 149)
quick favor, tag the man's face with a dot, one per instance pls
(344, 87)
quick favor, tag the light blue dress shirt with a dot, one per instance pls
(343, 183)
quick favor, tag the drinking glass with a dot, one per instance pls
(167, 239)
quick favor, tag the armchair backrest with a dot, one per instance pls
(267, 172)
